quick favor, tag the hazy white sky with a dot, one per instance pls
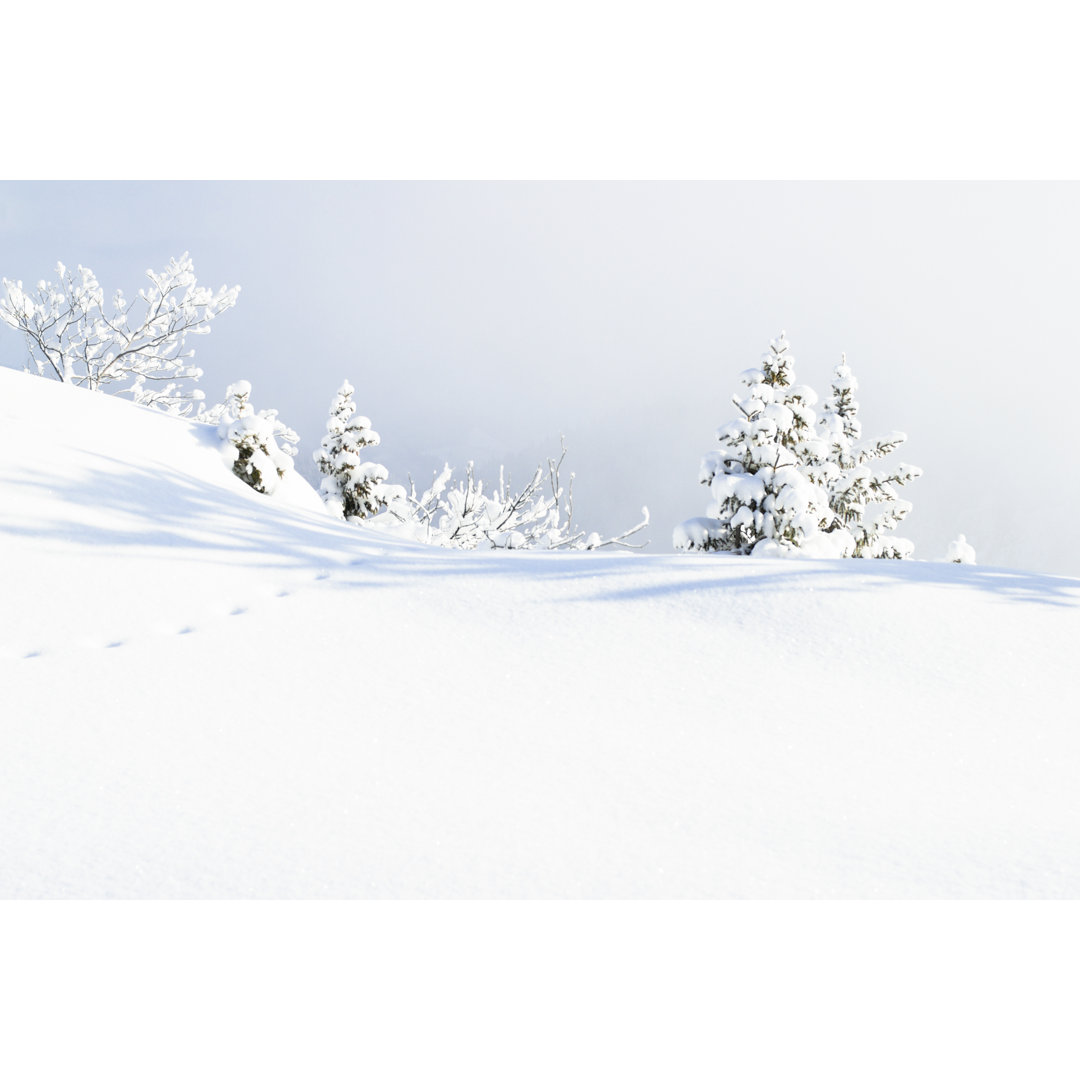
(478, 321)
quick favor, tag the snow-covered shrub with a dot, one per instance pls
(960, 551)
(353, 487)
(464, 515)
(766, 496)
(864, 502)
(251, 439)
(72, 335)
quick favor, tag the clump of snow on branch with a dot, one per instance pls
(960, 551)
(785, 482)
(351, 486)
(134, 347)
(467, 515)
(257, 445)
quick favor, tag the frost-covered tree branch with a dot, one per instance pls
(71, 334)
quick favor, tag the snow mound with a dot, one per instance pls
(208, 692)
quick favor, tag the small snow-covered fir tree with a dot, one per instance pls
(352, 486)
(251, 439)
(766, 499)
(864, 502)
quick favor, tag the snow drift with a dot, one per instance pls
(208, 692)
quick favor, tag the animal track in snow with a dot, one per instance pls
(163, 628)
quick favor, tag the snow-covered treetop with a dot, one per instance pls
(776, 362)
(237, 407)
(841, 409)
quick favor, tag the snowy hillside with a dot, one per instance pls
(206, 692)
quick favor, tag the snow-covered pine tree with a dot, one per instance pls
(863, 502)
(354, 487)
(765, 497)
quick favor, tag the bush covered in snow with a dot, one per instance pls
(785, 482)
(134, 346)
(258, 445)
(465, 515)
(960, 551)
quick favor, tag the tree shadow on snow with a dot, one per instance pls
(742, 573)
(165, 513)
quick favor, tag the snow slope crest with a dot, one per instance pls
(207, 692)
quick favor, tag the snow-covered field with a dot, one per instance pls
(206, 692)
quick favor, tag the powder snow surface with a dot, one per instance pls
(206, 692)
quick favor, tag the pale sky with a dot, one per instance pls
(480, 321)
